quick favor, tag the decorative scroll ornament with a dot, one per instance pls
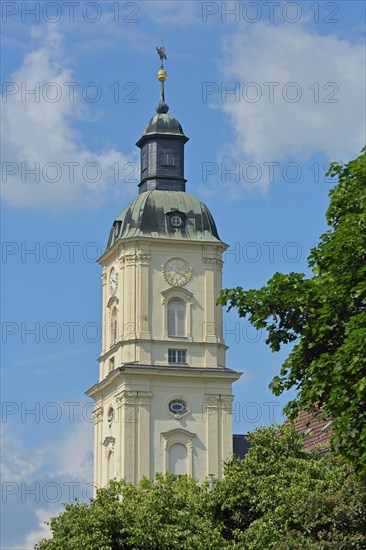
(98, 414)
(113, 281)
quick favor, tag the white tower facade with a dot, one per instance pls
(164, 396)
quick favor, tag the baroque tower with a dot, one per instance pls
(164, 396)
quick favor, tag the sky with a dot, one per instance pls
(268, 92)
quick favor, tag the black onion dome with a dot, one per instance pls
(163, 124)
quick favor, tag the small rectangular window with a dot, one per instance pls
(144, 160)
(167, 157)
(177, 356)
(111, 364)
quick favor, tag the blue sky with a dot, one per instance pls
(255, 156)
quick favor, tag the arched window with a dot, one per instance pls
(178, 459)
(176, 318)
(114, 326)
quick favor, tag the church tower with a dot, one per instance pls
(164, 396)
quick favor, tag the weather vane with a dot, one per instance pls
(161, 53)
(162, 107)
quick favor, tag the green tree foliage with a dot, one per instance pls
(161, 514)
(277, 498)
(324, 316)
(282, 498)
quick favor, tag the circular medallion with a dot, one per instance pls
(113, 280)
(177, 272)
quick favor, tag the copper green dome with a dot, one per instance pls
(150, 215)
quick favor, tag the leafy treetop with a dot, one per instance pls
(324, 317)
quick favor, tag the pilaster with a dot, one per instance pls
(129, 419)
(143, 259)
(104, 313)
(212, 407)
(130, 326)
(226, 426)
(144, 435)
(98, 458)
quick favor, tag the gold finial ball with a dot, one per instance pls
(162, 75)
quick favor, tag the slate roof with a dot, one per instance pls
(163, 124)
(241, 445)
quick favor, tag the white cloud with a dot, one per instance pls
(70, 456)
(74, 453)
(17, 464)
(37, 133)
(43, 532)
(63, 469)
(273, 131)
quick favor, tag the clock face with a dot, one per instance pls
(113, 282)
(177, 272)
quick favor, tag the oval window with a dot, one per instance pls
(177, 406)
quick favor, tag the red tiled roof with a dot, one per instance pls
(316, 429)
